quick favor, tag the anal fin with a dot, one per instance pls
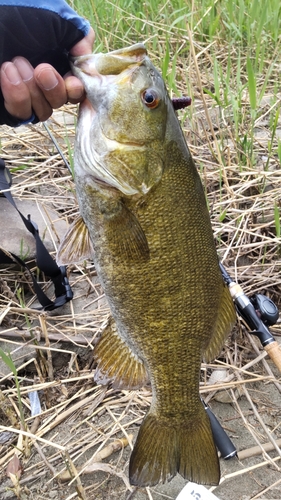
(116, 362)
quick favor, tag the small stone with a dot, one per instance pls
(217, 376)
(53, 493)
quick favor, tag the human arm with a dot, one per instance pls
(35, 42)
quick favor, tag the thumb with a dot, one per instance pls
(85, 46)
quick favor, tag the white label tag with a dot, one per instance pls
(34, 403)
(193, 491)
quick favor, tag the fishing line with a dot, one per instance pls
(57, 147)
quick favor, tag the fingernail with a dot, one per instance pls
(48, 79)
(11, 73)
(24, 68)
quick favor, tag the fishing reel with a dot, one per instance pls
(259, 312)
(265, 309)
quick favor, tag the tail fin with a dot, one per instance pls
(164, 448)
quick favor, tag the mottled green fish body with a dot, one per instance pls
(142, 202)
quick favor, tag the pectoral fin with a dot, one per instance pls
(225, 322)
(127, 235)
(76, 244)
(116, 362)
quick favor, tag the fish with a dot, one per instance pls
(145, 223)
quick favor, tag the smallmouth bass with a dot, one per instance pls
(145, 216)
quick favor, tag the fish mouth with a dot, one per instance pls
(122, 62)
(101, 71)
(114, 63)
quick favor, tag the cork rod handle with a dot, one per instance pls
(274, 351)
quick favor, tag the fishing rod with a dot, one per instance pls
(221, 439)
(57, 146)
(259, 312)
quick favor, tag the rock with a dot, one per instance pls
(14, 236)
(53, 494)
(222, 395)
(218, 376)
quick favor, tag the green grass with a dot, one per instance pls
(252, 25)
(241, 39)
(237, 45)
(7, 359)
(277, 220)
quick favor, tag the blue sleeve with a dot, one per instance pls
(40, 31)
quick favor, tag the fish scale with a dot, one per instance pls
(142, 201)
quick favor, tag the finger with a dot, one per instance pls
(39, 104)
(15, 92)
(51, 84)
(85, 46)
(74, 89)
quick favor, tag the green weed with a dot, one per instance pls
(7, 359)
(277, 220)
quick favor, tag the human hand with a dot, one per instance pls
(27, 90)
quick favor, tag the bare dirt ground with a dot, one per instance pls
(85, 431)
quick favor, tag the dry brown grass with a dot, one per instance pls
(80, 419)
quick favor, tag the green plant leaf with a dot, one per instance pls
(251, 85)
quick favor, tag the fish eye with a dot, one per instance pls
(150, 98)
